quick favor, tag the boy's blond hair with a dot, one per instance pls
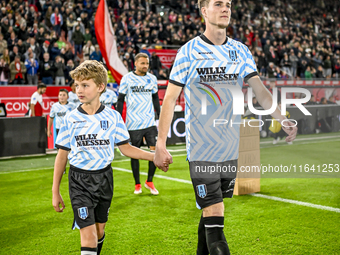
(91, 69)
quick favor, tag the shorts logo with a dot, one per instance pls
(233, 55)
(104, 124)
(83, 213)
(201, 190)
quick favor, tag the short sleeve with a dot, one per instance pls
(250, 69)
(122, 135)
(154, 86)
(123, 87)
(34, 98)
(180, 69)
(63, 139)
(52, 112)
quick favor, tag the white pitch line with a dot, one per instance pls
(290, 201)
(327, 208)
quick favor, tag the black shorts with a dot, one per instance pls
(212, 181)
(91, 194)
(149, 133)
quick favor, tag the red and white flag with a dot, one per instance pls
(107, 42)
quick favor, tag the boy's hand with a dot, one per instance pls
(48, 133)
(291, 130)
(162, 158)
(57, 200)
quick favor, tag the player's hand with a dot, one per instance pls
(290, 129)
(58, 201)
(49, 133)
(162, 158)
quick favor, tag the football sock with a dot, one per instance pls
(100, 244)
(88, 251)
(202, 248)
(152, 170)
(216, 241)
(135, 170)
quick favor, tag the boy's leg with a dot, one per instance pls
(88, 240)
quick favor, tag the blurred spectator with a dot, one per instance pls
(28, 53)
(155, 64)
(69, 67)
(331, 100)
(4, 72)
(3, 43)
(12, 41)
(46, 69)
(60, 68)
(78, 38)
(162, 75)
(286, 64)
(88, 49)
(5, 56)
(96, 55)
(312, 101)
(45, 49)
(87, 35)
(309, 73)
(61, 43)
(35, 47)
(40, 36)
(48, 15)
(54, 52)
(57, 20)
(32, 66)
(319, 73)
(337, 69)
(294, 61)
(15, 53)
(22, 47)
(323, 100)
(66, 53)
(81, 26)
(18, 70)
(328, 67)
(71, 22)
(23, 33)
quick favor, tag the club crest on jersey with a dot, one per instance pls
(83, 213)
(233, 55)
(104, 124)
(201, 190)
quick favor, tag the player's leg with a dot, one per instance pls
(136, 137)
(88, 240)
(209, 196)
(150, 137)
(100, 235)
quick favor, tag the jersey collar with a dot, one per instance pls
(204, 38)
(101, 108)
(134, 72)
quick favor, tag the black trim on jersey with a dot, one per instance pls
(139, 75)
(101, 108)
(177, 83)
(250, 76)
(62, 147)
(204, 38)
(123, 142)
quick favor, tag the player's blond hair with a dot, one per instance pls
(202, 3)
(90, 69)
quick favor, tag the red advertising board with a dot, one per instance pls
(165, 56)
(16, 98)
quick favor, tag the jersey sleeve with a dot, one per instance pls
(123, 87)
(113, 97)
(250, 69)
(52, 112)
(122, 135)
(63, 138)
(180, 69)
(154, 85)
(34, 98)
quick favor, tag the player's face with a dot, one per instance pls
(62, 97)
(217, 13)
(88, 91)
(42, 91)
(142, 65)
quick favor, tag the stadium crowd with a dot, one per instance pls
(45, 40)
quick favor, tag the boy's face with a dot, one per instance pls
(87, 91)
(62, 97)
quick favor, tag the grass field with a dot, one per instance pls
(167, 224)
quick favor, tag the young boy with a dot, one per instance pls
(87, 137)
(59, 110)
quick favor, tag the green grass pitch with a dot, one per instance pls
(167, 224)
